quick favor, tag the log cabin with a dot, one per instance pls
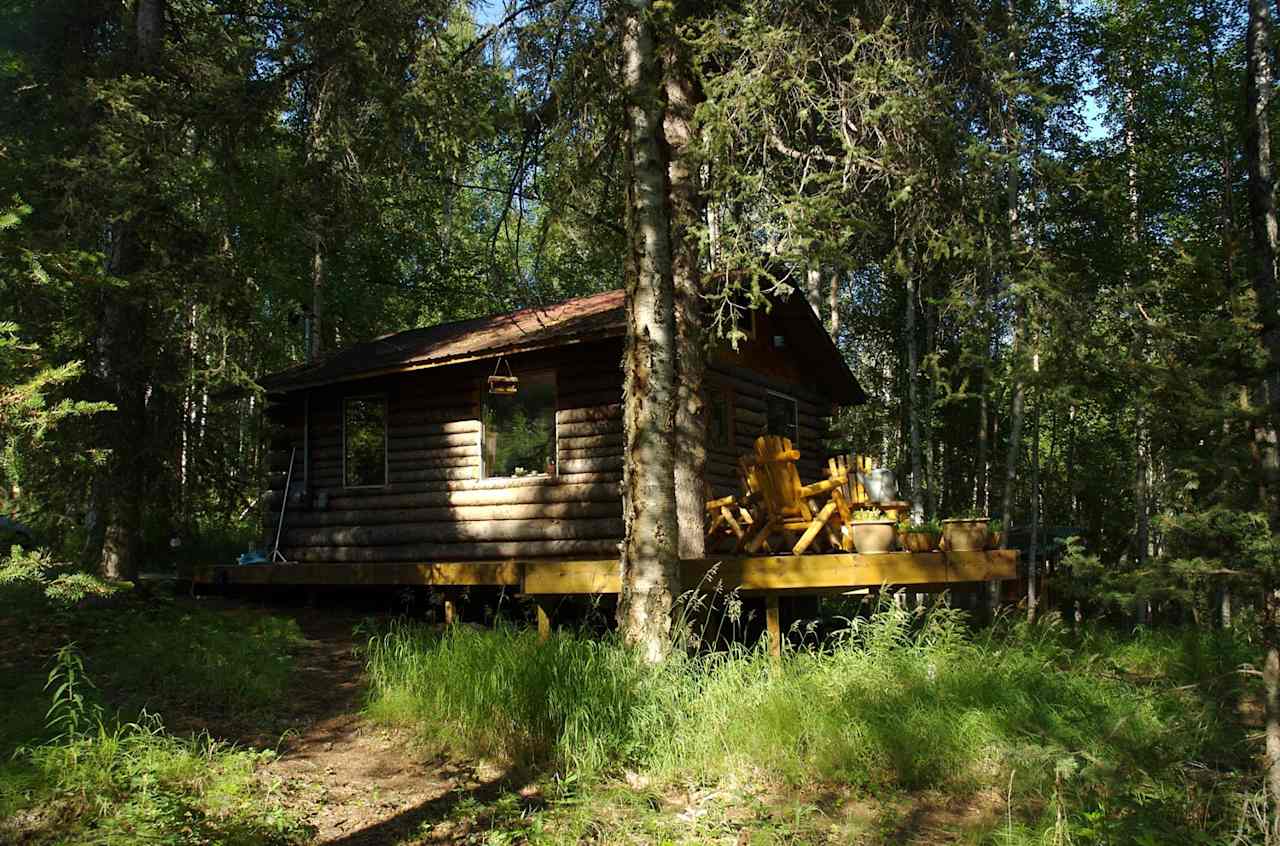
(489, 454)
(409, 449)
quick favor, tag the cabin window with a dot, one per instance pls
(364, 442)
(519, 435)
(781, 415)
(719, 419)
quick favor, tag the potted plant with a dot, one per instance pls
(872, 531)
(995, 533)
(966, 533)
(919, 537)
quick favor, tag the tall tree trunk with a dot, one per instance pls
(930, 464)
(1033, 598)
(123, 323)
(913, 401)
(1263, 229)
(1013, 188)
(833, 304)
(650, 553)
(813, 288)
(687, 207)
(315, 345)
(1142, 461)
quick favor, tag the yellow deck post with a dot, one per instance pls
(774, 625)
(544, 619)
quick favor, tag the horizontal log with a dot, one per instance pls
(408, 455)
(401, 465)
(588, 382)
(591, 465)
(400, 420)
(397, 442)
(589, 399)
(450, 427)
(435, 474)
(748, 383)
(590, 441)
(572, 510)
(591, 427)
(476, 531)
(453, 551)
(432, 398)
(590, 452)
(469, 493)
(343, 498)
(745, 416)
(599, 413)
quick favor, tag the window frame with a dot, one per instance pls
(726, 393)
(386, 444)
(795, 414)
(555, 425)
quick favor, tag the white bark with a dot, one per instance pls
(650, 549)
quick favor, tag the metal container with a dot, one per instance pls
(880, 485)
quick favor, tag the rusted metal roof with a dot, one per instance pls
(587, 318)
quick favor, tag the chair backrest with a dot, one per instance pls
(849, 466)
(773, 471)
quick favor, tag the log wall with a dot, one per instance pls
(437, 507)
(746, 393)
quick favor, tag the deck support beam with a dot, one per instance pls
(774, 625)
(543, 604)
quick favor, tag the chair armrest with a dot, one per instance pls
(717, 504)
(822, 487)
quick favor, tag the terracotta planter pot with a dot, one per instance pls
(874, 536)
(965, 535)
(995, 540)
(918, 541)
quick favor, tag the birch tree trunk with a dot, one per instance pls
(913, 402)
(813, 288)
(1013, 188)
(687, 207)
(1263, 229)
(833, 304)
(650, 548)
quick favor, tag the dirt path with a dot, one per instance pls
(357, 783)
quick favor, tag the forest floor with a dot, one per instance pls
(331, 775)
(269, 736)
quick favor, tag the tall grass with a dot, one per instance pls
(1102, 726)
(103, 782)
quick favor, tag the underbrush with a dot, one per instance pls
(96, 781)
(105, 764)
(1102, 737)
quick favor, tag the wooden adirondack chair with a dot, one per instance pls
(787, 505)
(848, 467)
(728, 517)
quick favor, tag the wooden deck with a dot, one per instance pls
(831, 572)
(771, 576)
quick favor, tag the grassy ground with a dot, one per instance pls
(906, 728)
(216, 722)
(120, 756)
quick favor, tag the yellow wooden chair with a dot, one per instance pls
(848, 467)
(787, 506)
(729, 518)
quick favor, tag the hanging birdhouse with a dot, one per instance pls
(499, 384)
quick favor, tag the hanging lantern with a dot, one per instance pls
(499, 384)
